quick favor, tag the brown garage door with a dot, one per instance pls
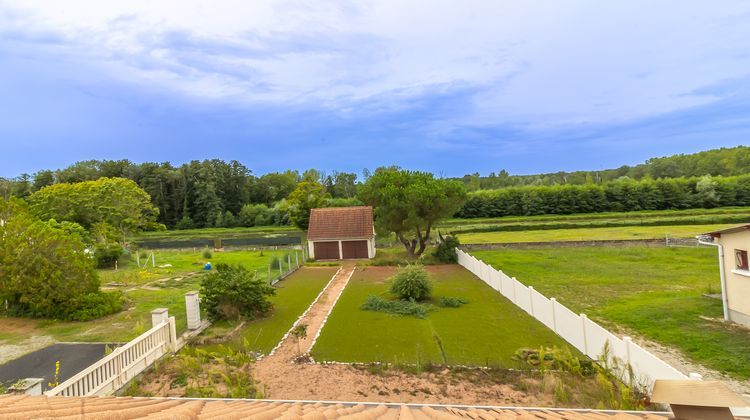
(354, 249)
(326, 250)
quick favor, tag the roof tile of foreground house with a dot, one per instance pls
(340, 222)
(28, 407)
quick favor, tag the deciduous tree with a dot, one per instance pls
(307, 196)
(409, 203)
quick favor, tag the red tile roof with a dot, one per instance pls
(26, 407)
(340, 223)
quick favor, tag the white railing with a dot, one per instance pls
(578, 330)
(114, 370)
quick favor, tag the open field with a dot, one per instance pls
(293, 295)
(486, 331)
(653, 292)
(588, 234)
(144, 290)
(636, 222)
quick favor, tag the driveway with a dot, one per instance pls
(41, 363)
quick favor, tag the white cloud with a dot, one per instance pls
(530, 64)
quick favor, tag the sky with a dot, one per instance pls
(451, 87)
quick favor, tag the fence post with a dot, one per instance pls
(554, 314)
(289, 261)
(584, 318)
(531, 300)
(628, 342)
(296, 258)
(118, 370)
(158, 316)
(172, 334)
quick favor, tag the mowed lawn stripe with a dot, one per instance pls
(487, 330)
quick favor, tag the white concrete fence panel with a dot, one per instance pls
(582, 333)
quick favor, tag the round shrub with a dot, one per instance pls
(445, 252)
(411, 282)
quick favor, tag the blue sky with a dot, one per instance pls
(445, 86)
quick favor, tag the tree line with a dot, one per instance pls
(198, 194)
(624, 194)
(215, 193)
(716, 162)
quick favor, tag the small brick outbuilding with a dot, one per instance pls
(337, 233)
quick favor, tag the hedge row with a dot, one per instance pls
(618, 196)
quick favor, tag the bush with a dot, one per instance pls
(233, 291)
(106, 255)
(452, 302)
(207, 254)
(396, 307)
(411, 283)
(92, 306)
(446, 250)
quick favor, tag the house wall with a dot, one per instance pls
(738, 282)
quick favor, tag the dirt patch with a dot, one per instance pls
(348, 383)
(9, 352)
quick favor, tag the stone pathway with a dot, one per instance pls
(314, 319)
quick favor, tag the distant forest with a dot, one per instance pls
(716, 162)
(215, 193)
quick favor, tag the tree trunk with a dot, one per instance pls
(423, 239)
(409, 245)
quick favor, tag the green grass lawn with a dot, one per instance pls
(293, 295)
(486, 331)
(144, 290)
(588, 234)
(689, 216)
(654, 292)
